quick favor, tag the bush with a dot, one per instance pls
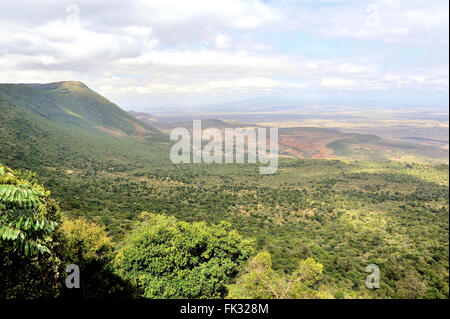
(168, 258)
(87, 245)
(260, 281)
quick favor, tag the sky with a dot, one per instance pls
(173, 53)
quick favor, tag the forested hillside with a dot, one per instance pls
(67, 124)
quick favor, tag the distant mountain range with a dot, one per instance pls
(274, 103)
(264, 109)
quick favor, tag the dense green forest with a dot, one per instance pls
(317, 222)
(345, 215)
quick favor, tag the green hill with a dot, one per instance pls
(66, 123)
(73, 103)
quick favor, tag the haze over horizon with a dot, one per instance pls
(172, 54)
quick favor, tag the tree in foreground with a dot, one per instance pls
(87, 245)
(260, 281)
(168, 258)
(37, 242)
(28, 222)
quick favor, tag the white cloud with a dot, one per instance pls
(235, 13)
(354, 68)
(206, 46)
(227, 85)
(222, 41)
(338, 83)
(404, 21)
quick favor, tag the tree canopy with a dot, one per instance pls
(260, 281)
(168, 258)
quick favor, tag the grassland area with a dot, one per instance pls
(405, 140)
(353, 133)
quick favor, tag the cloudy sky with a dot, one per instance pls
(143, 54)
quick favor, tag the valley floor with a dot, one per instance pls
(344, 214)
